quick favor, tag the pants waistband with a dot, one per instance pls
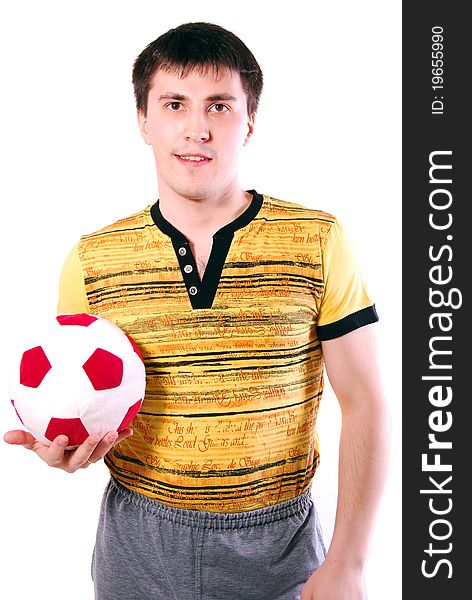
(215, 520)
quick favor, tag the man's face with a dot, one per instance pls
(197, 126)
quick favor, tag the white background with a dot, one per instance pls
(327, 136)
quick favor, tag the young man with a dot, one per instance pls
(210, 496)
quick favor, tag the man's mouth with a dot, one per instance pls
(195, 158)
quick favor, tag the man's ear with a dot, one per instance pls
(250, 128)
(143, 126)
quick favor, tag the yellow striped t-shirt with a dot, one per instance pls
(233, 362)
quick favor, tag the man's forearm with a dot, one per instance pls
(363, 457)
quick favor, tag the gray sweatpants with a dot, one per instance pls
(148, 551)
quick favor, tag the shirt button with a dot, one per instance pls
(193, 290)
(188, 268)
(182, 251)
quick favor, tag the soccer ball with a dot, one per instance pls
(80, 375)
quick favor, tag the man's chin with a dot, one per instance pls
(195, 194)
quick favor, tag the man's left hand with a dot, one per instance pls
(330, 582)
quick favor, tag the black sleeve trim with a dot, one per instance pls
(362, 317)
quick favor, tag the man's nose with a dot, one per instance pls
(197, 127)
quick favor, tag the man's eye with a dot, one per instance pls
(219, 108)
(174, 105)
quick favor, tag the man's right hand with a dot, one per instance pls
(56, 455)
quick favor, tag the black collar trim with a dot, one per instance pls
(202, 293)
(227, 231)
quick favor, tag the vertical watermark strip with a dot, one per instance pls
(437, 252)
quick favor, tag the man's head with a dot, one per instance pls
(197, 46)
(197, 89)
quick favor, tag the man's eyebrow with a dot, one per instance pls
(214, 98)
(172, 96)
(224, 97)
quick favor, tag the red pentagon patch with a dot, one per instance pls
(132, 412)
(135, 346)
(73, 428)
(104, 369)
(79, 319)
(18, 414)
(33, 367)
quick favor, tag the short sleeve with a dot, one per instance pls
(72, 294)
(346, 304)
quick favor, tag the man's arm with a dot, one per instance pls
(354, 373)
